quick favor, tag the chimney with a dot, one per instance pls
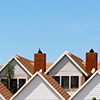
(91, 61)
(39, 61)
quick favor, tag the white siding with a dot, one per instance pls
(37, 89)
(1, 98)
(92, 89)
(19, 71)
(65, 66)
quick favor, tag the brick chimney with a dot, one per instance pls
(91, 62)
(39, 61)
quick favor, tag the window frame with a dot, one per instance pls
(19, 81)
(69, 81)
(74, 81)
(65, 82)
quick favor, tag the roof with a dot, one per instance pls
(76, 60)
(27, 64)
(48, 64)
(5, 92)
(1, 66)
(89, 80)
(50, 81)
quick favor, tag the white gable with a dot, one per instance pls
(62, 61)
(65, 66)
(37, 89)
(89, 89)
(18, 69)
(1, 98)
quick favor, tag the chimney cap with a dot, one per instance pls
(39, 51)
(91, 51)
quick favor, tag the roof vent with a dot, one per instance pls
(39, 51)
(91, 51)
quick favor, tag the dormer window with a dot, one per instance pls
(67, 81)
(74, 81)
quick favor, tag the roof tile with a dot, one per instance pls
(5, 92)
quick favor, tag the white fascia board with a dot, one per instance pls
(6, 64)
(97, 72)
(55, 62)
(2, 96)
(66, 53)
(23, 66)
(37, 73)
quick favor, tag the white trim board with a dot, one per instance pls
(2, 96)
(57, 61)
(37, 73)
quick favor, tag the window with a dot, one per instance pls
(3, 80)
(74, 81)
(57, 78)
(13, 85)
(21, 82)
(65, 81)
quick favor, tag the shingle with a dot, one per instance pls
(5, 92)
(29, 64)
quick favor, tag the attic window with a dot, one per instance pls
(65, 81)
(74, 81)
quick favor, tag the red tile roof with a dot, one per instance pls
(29, 64)
(56, 86)
(1, 66)
(5, 92)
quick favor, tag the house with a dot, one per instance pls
(41, 87)
(70, 72)
(24, 68)
(90, 89)
(21, 72)
(5, 94)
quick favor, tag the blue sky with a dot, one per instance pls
(52, 25)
